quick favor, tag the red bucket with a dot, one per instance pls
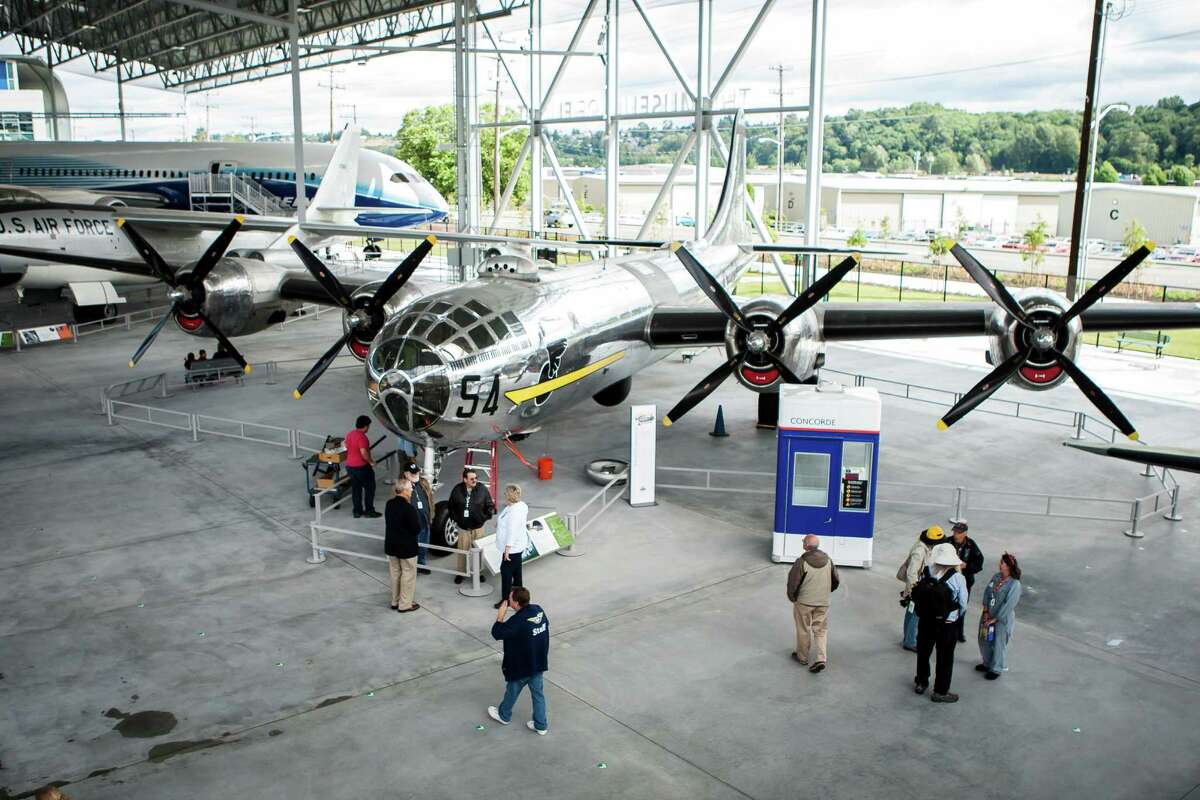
(545, 468)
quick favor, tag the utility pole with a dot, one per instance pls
(208, 107)
(332, 85)
(1083, 178)
(780, 69)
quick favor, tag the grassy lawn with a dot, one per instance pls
(1184, 343)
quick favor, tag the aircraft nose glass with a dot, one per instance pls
(415, 400)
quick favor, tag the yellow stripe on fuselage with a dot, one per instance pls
(518, 396)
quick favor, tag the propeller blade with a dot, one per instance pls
(983, 390)
(223, 339)
(783, 368)
(1107, 283)
(318, 369)
(317, 268)
(702, 390)
(153, 260)
(809, 297)
(990, 284)
(150, 337)
(403, 272)
(1099, 399)
(217, 249)
(711, 287)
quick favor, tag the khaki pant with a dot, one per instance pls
(811, 622)
(404, 580)
(466, 540)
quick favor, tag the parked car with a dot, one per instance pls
(687, 221)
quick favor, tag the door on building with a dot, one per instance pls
(812, 492)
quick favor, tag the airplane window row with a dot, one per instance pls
(47, 172)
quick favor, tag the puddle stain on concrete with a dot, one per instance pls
(274, 732)
(161, 752)
(142, 724)
(333, 700)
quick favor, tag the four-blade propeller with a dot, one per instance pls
(1042, 339)
(760, 340)
(365, 313)
(187, 288)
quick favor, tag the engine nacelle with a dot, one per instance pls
(799, 347)
(1007, 336)
(360, 346)
(241, 296)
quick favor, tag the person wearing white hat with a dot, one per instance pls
(940, 598)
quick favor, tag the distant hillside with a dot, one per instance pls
(1160, 143)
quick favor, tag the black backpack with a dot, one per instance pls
(933, 598)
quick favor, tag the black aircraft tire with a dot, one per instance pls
(444, 532)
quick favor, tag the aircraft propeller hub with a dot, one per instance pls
(1043, 338)
(178, 295)
(758, 342)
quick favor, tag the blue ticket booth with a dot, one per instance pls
(827, 463)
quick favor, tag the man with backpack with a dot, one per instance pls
(940, 597)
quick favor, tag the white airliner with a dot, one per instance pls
(388, 192)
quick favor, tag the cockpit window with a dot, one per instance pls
(499, 328)
(440, 307)
(514, 324)
(462, 317)
(440, 333)
(479, 308)
(399, 177)
(481, 337)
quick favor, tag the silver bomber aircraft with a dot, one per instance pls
(496, 357)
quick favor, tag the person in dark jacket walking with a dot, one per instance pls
(526, 638)
(972, 559)
(400, 544)
(471, 506)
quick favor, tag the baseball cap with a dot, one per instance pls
(412, 466)
(960, 526)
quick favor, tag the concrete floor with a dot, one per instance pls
(164, 637)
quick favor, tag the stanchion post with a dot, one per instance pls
(960, 495)
(293, 440)
(1174, 514)
(75, 333)
(163, 379)
(271, 367)
(571, 551)
(108, 409)
(474, 566)
(128, 322)
(1135, 515)
(316, 557)
(1078, 425)
(195, 420)
(1148, 471)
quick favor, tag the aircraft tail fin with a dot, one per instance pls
(334, 201)
(729, 220)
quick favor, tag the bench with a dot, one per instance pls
(1156, 341)
(214, 370)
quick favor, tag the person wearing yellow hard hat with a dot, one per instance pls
(909, 573)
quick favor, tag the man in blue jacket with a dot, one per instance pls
(526, 637)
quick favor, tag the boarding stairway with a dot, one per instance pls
(231, 193)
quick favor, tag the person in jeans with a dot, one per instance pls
(470, 507)
(811, 580)
(422, 502)
(361, 466)
(941, 634)
(910, 572)
(526, 638)
(512, 538)
(400, 545)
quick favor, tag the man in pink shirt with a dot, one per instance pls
(360, 465)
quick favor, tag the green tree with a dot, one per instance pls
(1135, 237)
(938, 247)
(874, 158)
(960, 225)
(1182, 176)
(975, 165)
(857, 239)
(885, 227)
(1154, 176)
(1032, 244)
(1106, 173)
(945, 163)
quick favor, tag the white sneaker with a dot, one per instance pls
(494, 713)
(531, 727)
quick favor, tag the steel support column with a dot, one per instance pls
(816, 141)
(297, 116)
(612, 127)
(121, 98)
(537, 213)
(467, 159)
(703, 120)
(668, 186)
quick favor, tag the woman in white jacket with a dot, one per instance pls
(512, 539)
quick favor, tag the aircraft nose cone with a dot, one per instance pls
(411, 401)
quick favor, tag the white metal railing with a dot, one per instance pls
(273, 435)
(117, 409)
(232, 185)
(307, 311)
(122, 321)
(961, 500)
(601, 497)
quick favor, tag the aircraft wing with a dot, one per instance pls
(1170, 457)
(76, 259)
(754, 247)
(451, 237)
(203, 220)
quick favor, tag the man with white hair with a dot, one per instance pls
(400, 545)
(810, 582)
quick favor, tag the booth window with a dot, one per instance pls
(856, 476)
(810, 479)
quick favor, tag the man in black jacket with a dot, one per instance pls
(471, 505)
(400, 544)
(972, 558)
(526, 640)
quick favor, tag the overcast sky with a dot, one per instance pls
(971, 54)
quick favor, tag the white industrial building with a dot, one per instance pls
(1170, 214)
